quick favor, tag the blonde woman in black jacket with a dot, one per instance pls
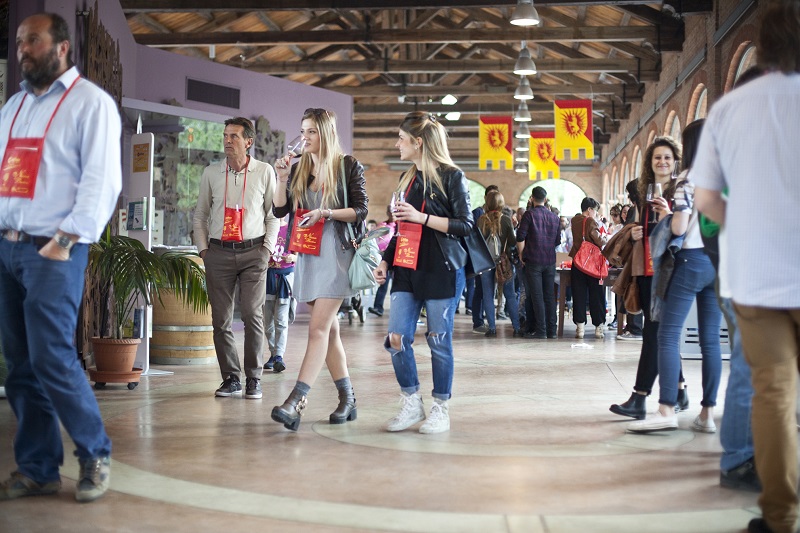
(437, 199)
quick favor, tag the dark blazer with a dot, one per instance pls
(452, 204)
(356, 198)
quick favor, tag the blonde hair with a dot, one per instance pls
(330, 157)
(435, 155)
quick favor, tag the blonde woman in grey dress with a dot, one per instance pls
(315, 183)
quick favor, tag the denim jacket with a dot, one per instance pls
(663, 247)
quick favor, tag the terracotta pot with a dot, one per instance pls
(114, 355)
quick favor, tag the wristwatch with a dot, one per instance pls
(63, 241)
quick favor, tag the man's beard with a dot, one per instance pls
(44, 71)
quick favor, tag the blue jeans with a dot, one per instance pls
(540, 283)
(380, 294)
(403, 320)
(39, 301)
(477, 303)
(692, 278)
(486, 285)
(736, 435)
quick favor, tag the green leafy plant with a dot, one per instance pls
(124, 271)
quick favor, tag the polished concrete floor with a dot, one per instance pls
(533, 448)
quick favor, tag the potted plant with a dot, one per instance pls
(125, 276)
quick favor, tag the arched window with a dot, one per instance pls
(698, 107)
(743, 59)
(563, 194)
(637, 164)
(748, 60)
(626, 177)
(673, 125)
(675, 129)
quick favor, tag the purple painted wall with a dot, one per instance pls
(162, 76)
(158, 76)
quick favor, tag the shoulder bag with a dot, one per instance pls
(479, 259)
(589, 258)
(367, 256)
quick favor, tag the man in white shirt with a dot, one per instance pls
(61, 176)
(749, 141)
(235, 233)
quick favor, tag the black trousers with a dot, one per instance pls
(581, 284)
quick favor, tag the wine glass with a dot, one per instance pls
(295, 146)
(653, 191)
(396, 197)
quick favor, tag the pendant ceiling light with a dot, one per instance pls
(523, 115)
(521, 157)
(525, 14)
(523, 145)
(523, 132)
(524, 91)
(522, 168)
(524, 65)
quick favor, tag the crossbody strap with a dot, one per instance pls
(344, 189)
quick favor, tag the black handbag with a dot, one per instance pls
(479, 259)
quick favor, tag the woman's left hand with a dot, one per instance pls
(407, 213)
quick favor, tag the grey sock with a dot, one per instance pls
(302, 388)
(343, 384)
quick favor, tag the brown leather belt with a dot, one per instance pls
(12, 235)
(238, 245)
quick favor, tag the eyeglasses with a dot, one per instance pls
(316, 111)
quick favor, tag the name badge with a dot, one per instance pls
(406, 252)
(306, 239)
(20, 167)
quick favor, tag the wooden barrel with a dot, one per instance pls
(181, 336)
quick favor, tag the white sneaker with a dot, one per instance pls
(654, 422)
(411, 411)
(439, 419)
(704, 426)
(598, 332)
(579, 331)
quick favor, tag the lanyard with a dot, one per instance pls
(244, 185)
(408, 189)
(61, 101)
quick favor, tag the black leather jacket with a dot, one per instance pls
(453, 205)
(356, 198)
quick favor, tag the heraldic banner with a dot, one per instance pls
(543, 163)
(574, 128)
(495, 143)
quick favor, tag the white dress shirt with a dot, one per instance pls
(80, 176)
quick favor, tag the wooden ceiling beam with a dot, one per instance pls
(584, 89)
(182, 6)
(363, 110)
(646, 69)
(426, 35)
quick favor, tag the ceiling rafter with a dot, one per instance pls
(669, 39)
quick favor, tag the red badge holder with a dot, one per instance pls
(306, 239)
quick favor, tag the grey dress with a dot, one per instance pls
(324, 275)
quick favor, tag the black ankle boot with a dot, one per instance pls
(290, 412)
(346, 410)
(683, 400)
(633, 408)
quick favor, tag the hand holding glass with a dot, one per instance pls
(396, 197)
(653, 191)
(295, 146)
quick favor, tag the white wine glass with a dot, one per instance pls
(654, 191)
(295, 146)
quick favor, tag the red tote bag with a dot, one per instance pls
(589, 258)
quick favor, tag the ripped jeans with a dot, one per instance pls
(403, 316)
